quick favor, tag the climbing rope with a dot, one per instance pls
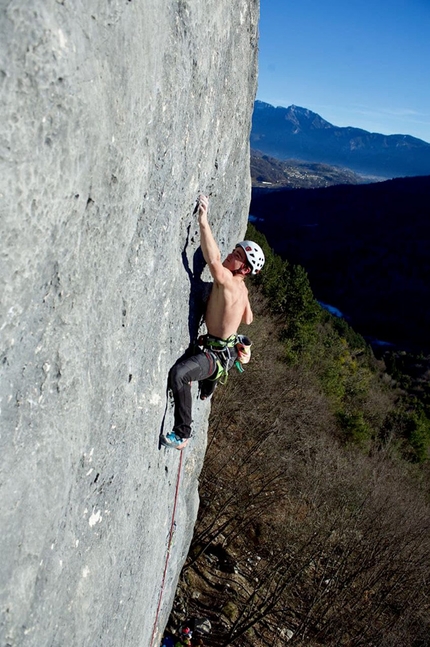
(169, 545)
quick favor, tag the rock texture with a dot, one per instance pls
(114, 115)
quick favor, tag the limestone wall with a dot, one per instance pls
(114, 115)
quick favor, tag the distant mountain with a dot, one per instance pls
(269, 172)
(298, 133)
(365, 248)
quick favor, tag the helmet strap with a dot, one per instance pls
(240, 270)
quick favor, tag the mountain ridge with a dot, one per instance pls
(297, 132)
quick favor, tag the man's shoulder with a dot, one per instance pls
(226, 279)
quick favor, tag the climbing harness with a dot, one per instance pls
(216, 343)
(169, 546)
(222, 351)
(233, 351)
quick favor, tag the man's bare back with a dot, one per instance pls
(228, 304)
(227, 308)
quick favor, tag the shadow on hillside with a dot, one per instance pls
(365, 249)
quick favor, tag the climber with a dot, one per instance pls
(228, 306)
(185, 635)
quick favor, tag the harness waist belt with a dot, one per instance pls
(216, 344)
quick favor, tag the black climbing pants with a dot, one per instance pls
(195, 368)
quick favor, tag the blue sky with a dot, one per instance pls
(356, 63)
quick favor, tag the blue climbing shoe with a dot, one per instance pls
(173, 441)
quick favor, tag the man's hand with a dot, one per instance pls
(203, 208)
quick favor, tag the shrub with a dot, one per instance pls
(230, 611)
(354, 427)
(289, 292)
(410, 423)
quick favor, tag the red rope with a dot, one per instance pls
(169, 545)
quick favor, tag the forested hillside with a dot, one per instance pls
(366, 249)
(314, 518)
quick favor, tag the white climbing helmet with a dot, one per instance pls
(254, 255)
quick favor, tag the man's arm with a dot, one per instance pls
(247, 317)
(210, 249)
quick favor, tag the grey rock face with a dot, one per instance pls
(114, 116)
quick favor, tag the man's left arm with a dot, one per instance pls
(247, 317)
(209, 246)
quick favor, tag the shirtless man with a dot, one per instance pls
(227, 308)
